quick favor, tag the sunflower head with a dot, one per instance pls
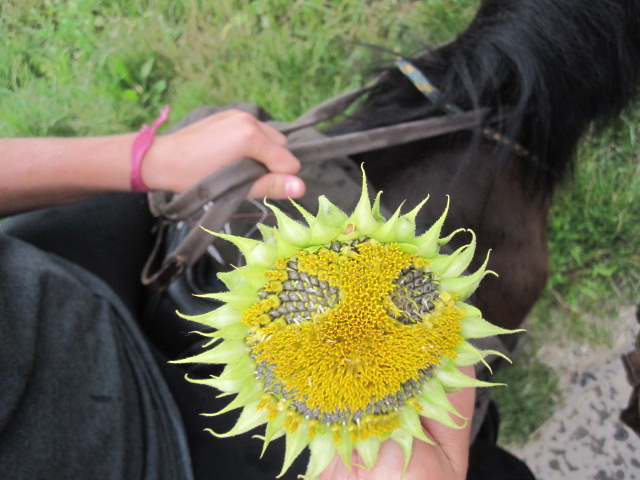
(341, 334)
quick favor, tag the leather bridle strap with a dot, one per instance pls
(247, 171)
(424, 85)
(385, 137)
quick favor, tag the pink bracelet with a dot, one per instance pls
(140, 147)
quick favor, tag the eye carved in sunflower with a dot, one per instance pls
(340, 335)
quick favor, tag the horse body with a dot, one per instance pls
(550, 68)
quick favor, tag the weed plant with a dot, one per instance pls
(92, 67)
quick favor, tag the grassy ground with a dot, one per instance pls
(98, 67)
(75, 67)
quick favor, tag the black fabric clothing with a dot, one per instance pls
(487, 461)
(90, 336)
(109, 235)
(81, 394)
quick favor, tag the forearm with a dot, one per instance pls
(47, 171)
(42, 172)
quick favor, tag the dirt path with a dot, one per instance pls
(584, 439)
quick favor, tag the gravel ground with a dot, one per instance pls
(584, 439)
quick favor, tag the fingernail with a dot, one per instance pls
(293, 188)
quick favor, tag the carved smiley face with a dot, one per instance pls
(350, 332)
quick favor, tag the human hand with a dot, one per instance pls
(447, 459)
(180, 159)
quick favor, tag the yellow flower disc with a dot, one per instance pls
(348, 332)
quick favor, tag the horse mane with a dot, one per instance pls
(554, 67)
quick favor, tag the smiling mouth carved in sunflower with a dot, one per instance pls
(341, 335)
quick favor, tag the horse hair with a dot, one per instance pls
(556, 66)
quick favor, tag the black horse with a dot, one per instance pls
(552, 68)
(548, 69)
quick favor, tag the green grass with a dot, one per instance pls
(83, 67)
(528, 399)
(595, 235)
(99, 67)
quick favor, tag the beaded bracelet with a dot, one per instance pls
(141, 145)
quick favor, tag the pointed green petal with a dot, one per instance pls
(241, 299)
(453, 380)
(218, 318)
(289, 230)
(229, 351)
(267, 233)
(436, 405)
(428, 242)
(249, 393)
(235, 331)
(329, 214)
(387, 232)
(310, 219)
(478, 327)
(375, 209)
(465, 286)
(362, 217)
(323, 452)
(266, 444)
(467, 354)
(438, 264)
(345, 447)
(233, 279)
(440, 415)
(455, 264)
(405, 441)
(226, 386)
(433, 393)
(238, 370)
(468, 309)
(255, 252)
(448, 238)
(408, 248)
(249, 419)
(411, 216)
(410, 421)
(233, 378)
(253, 276)
(397, 229)
(320, 233)
(368, 450)
(296, 442)
(274, 430)
(285, 249)
(405, 229)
